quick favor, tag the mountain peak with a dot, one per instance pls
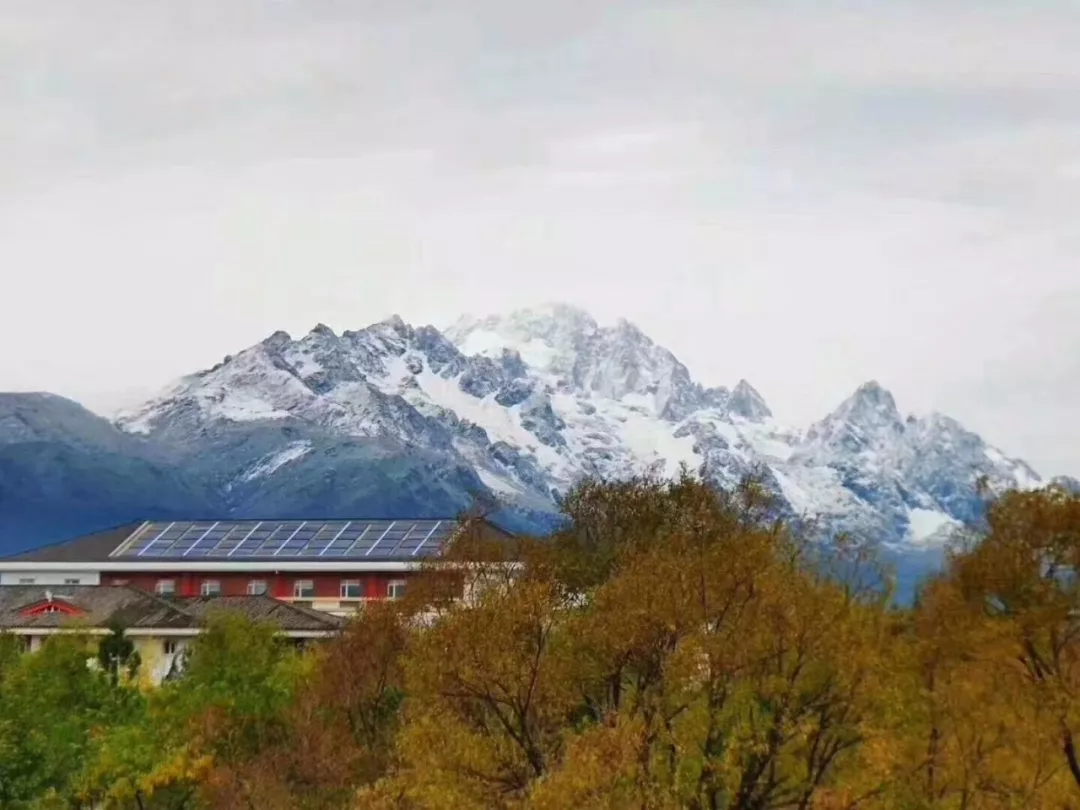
(628, 334)
(745, 401)
(866, 418)
(557, 310)
(629, 327)
(39, 416)
(870, 403)
(548, 337)
(277, 341)
(1066, 482)
(553, 320)
(872, 388)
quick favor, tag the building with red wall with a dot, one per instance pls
(331, 565)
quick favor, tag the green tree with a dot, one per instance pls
(12, 648)
(198, 732)
(116, 652)
(339, 729)
(53, 707)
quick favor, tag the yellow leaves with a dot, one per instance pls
(490, 692)
(1012, 603)
(447, 763)
(603, 768)
(971, 715)
(177, 767)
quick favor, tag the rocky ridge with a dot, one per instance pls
(522, 405)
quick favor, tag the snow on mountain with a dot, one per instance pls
(566, 348)
(929, 525)
(1067, 483)
(533, 400)
(275, 461)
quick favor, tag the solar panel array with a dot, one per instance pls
(288, 539)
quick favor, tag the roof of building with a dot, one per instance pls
(87, 548)
(96, 606)
(285, 615)
(257, 541)
(99, 606)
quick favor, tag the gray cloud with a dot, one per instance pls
(805, 194)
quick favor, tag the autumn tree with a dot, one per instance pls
(672, 623)
(490, 693)
(745, 667)
(951, 728)
(338, 730)
(1022, 578)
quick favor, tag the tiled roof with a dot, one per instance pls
(134, 608)
(264, 608)
(97, 605)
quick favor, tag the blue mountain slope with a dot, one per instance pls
(49, 491)
(65, 471)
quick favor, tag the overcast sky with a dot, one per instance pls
(806, 194)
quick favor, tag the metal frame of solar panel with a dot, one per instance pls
(288, 539)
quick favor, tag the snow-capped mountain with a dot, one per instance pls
(525, 404)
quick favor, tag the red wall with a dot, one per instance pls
(327, 586)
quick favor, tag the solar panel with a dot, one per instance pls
(273, 541)
(234, 533)
(251, 541)
(141, 537)
(384, 542)
(287, 539)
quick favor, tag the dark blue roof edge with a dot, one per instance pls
(132, 524)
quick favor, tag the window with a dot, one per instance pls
(165, 587)
(256, 587)
(26, 580)
(351, 589)
(303, 589)
(71, 581)
(210, 587)
(395, 589)
(170, 648)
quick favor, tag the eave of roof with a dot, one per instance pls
(83, 548)
(144, 613)
(150, 632)
(182, 565)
